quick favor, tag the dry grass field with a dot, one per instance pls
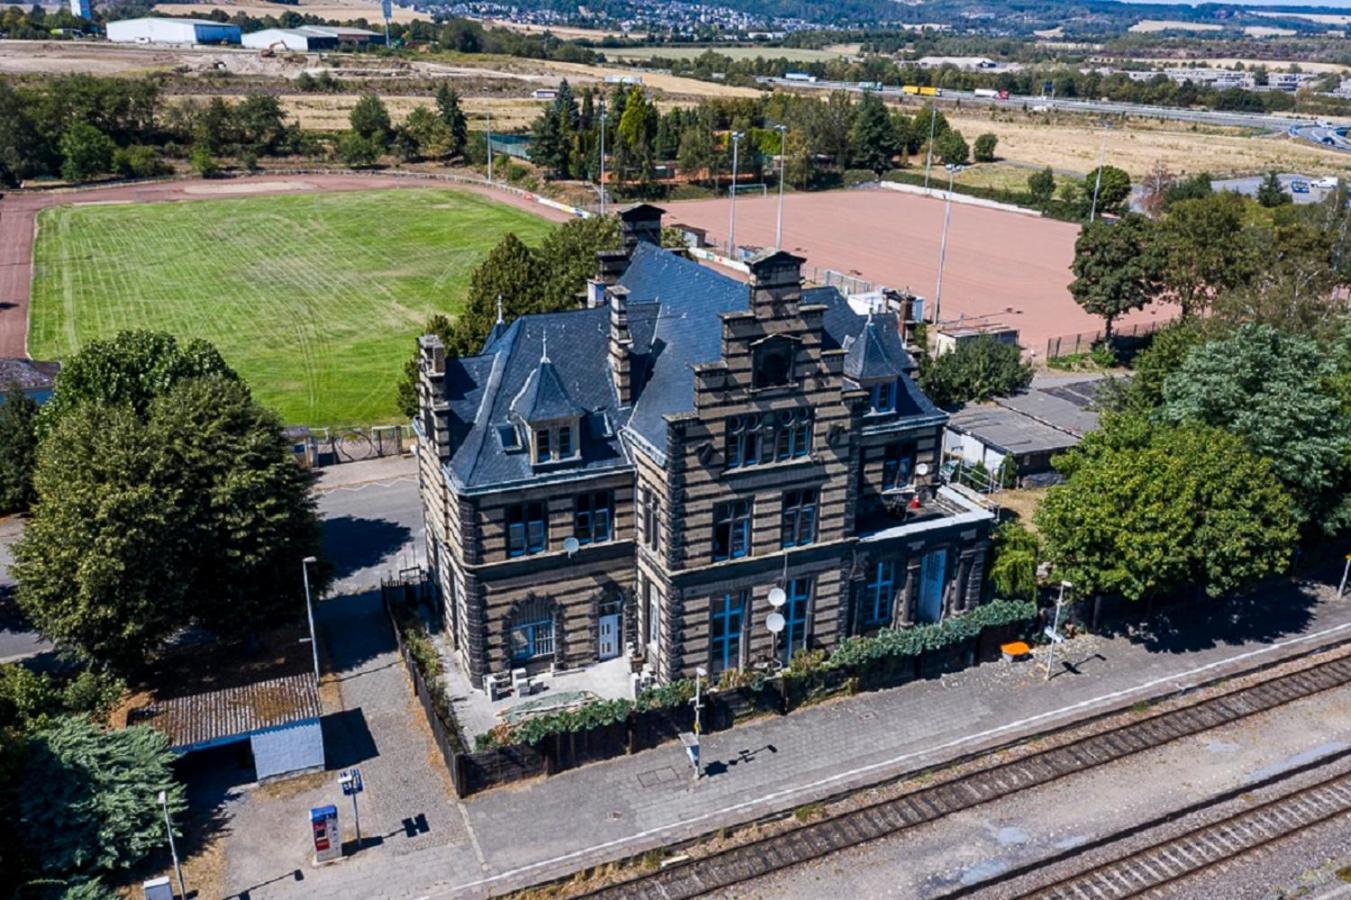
(1149, 26)
(796, 54)
(1073, 144)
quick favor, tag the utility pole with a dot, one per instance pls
(943, 247)
(1054, 631)
(731, 227)
(309, 613)
(783, 163)
(1346, 570)
(173, 851)
(933, 119)
(602, 156)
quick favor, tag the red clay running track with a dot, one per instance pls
(1001, 264)
(18, 214)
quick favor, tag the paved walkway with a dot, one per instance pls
(518, 835)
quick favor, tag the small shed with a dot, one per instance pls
(278, 717)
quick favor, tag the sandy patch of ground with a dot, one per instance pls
(1268, 31)
(1320, 18)
(579, 73)
(341, 10)
(249, 187)
(1148, 26)
(1275, 65)
(63, 57)
(1073, 145)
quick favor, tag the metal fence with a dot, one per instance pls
(317, 447)
(1070, 344)
(848, 284)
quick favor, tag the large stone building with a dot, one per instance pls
(638, 474)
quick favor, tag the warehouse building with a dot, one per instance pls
(308, 38)
(155, 30)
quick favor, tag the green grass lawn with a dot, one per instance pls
(314, 299)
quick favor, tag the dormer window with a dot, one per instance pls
(884, 397)
(565, 442)
(542, 445)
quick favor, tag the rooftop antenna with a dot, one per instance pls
(499, 308)
(544, 355)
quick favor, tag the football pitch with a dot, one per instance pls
(314, 299)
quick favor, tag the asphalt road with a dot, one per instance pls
(371, 529)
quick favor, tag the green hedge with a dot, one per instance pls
(855, 655)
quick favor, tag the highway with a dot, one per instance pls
(1297, 128)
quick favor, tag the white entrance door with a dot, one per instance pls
(609, 637)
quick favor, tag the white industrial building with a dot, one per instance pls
(308, 38)
(155, 30)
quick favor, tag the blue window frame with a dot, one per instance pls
(884, 397)
(527, 528)
(795, 614)
(542, 452)
(879, 591)
(729, 612)
(591, 520)
(532, 640)
(898, 466)
(799, 518)
(731, 530)
(778, 436)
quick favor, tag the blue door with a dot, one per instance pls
(932, 575)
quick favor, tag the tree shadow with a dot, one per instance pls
(352, 544)
(1271, 612)
(354, 629)
(347, 739)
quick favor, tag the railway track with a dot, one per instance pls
(761, 857)
(1163, 864)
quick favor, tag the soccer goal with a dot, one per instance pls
(759, 189)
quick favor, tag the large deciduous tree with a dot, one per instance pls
(18, 449)
(977, 369)
(1115, 268)
(1277, 393)
(1205, 248)
(1113, 189)
(85, 152)
(188, 509)
(370, 119)
(1149, 511)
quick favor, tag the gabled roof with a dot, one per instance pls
(544, 397)
(867, 359)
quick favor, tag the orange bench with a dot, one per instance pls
(1015, 650)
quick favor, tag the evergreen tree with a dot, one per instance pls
(1270, 193)
(872, 141)
(983, 150)
(448, 109)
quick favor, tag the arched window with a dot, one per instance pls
(530, 630)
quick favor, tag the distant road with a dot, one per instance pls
(1300, 128)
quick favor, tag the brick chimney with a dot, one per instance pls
(775, 283)
(621, 343)
(433, 407)
(640, 223)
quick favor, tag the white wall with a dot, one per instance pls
(288, 750)
(171, 31)
(270, 37)
(972, 450)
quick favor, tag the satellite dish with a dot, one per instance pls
(774, 622)
(922, 469)
(571, 545)
(777, 597)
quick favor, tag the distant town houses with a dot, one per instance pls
(643, 475)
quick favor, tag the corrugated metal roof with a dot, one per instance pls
(197, 719)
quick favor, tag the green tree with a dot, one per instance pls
(927, 118)
(695, 153)
(950, 148)
(370, 119)
(1276, 392)
(983, 150)
(18, 449)
(977, 369)
(261, 123)
(448, 109)
(1270, 193)
(512, 271)
(1041, 185)
(85, 152)
(1151, 511)
(428, 135)
(1112, 191)
(203, 163)
(88, 803)
(1205, 249)
(1115, 269)
(1013, 571)
(193, 512)
(357, 151)
(872, 140)
(132, 368)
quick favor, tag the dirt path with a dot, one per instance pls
(18, 217)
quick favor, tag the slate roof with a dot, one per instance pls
(867, 359)
(28, 374)
(197, 720)
(673, 305)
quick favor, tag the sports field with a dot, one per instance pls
(315, 299)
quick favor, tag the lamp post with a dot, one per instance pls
(700, 674)
(1097, 182)
(309, 612)
(943, 246)
(1346, 570)
(933, 119)
(731, 225)
(783, 163)
(602, 156)
(488, 145)
(1054, 632)
(173, 851)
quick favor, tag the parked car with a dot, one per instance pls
(1299, 186)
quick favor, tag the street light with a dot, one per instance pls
(602, 157)
(933, 119)
(943, 245)
(1054, 632)
(1346, 570)
(783, 162)
(309, 612)
(489, 146)
(173, 851)
(700, 673)
(731, 226)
